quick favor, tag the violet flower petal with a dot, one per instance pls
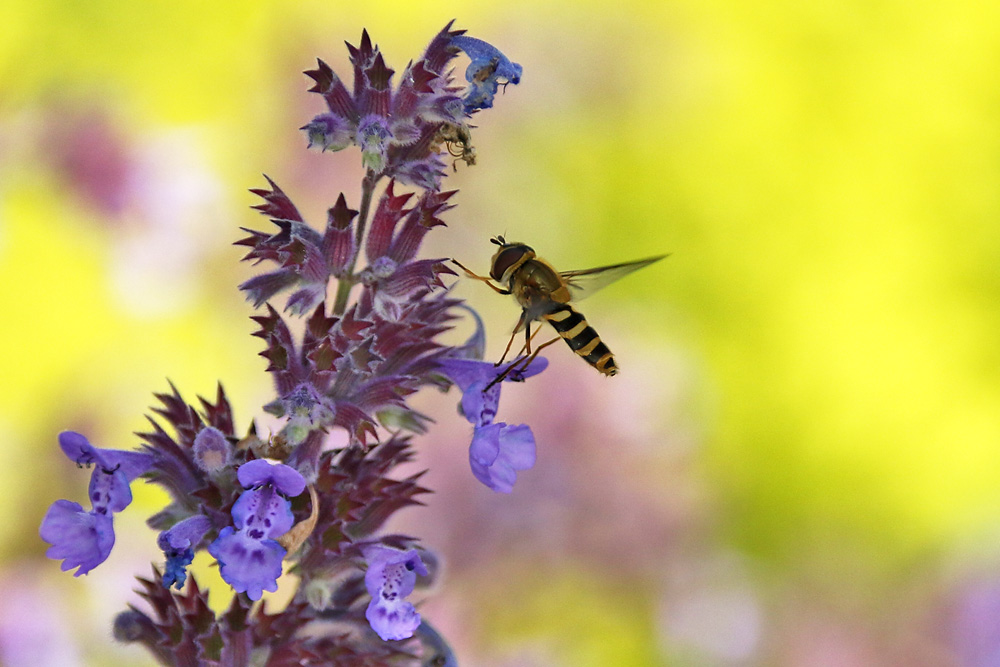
(263, 513)
(391, 576)
(285, 479)
(482, 53)
(80, 539)
(128, 463)
(498, 451)
(109, 490)
(250, 566)
(79, 450)
(466, 372)
(488, 69)
(479, 405)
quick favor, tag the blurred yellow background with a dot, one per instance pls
(800, 462)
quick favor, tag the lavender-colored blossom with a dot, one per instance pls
(479, 404)
(114, 470)
(391, 576)
(489, 68)
(80, 539)
(285, 479)
(178, 545)
(498, 450)
(249, 557)
(83, 539)
(249, 565)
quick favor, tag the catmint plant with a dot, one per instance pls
(300, 500)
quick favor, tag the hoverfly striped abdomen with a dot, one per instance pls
(582, 338)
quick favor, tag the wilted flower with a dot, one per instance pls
(178, 545)
(489, 68)
(329, 132)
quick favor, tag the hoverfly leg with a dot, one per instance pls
(531, 357)
(528, 339)
(510, 342)
(470, 274)
(523, 362)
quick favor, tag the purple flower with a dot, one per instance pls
(380, 117)
(498, 450)
(83, 539)
(80, 539)
(399, 127)
(178, 545)
(479, 405)
(249, 557)
(391, 576)
(488, 69)
(113, 472)
(259, 472)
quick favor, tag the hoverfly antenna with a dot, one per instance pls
(498, 240)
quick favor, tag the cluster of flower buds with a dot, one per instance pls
(400, 128)
(261, 505)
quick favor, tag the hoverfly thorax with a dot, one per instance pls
(508, 259)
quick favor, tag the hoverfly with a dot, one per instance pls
(545, 294)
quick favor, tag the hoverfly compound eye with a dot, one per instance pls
(506, 257)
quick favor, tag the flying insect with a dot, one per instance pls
(546, 294)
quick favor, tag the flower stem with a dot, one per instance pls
(345, 284)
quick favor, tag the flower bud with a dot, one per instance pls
(328, 132)
(212, 452)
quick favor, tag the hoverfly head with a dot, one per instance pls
(508, 258)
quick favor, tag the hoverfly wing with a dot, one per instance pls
(585, 282)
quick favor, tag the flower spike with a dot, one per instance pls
(343, 376)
